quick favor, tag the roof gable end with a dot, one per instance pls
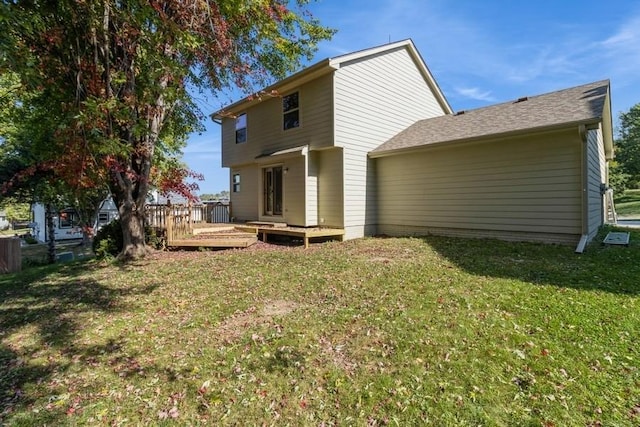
(329, 65)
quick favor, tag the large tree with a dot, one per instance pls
(119, 73)
(628, 145)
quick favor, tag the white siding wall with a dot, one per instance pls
(375, 98)
(264, 125)
(330, 188)
(520, 189)
(244, 206)
(596, 175)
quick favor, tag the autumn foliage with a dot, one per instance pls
(116, 75)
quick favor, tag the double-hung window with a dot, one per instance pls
(290, 111)
(241, 128)
(236, 183)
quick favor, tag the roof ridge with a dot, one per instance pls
(531, 97)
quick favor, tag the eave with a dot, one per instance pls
(277, 89)
(578, 125)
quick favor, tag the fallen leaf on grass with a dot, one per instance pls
(205, 387)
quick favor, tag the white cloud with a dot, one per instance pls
(476, 94)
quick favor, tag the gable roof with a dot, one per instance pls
(329, 65)
(581, 105)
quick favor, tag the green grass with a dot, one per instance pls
(628, 204)
(411, 331)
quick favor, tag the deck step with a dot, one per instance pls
(266, 224)
(219, 242)
(213, 229)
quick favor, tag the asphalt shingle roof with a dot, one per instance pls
(580, 104)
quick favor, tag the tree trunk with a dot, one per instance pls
(133, 238)
(51, 234)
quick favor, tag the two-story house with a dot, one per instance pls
(367, 142)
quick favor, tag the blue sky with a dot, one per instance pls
(480, 53)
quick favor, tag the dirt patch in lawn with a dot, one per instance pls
(234, 326)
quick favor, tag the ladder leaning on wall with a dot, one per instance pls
(612, 217)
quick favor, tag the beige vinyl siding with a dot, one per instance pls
(294, 191)
(375, 98)
(524, 188)
(330, 188)
(264, 125)
(311, 188)
(293, 182)
(243, 203)
(596, 175)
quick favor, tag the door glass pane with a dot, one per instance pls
(277, 190)
(272, 191)
(268, 192)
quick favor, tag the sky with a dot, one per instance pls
(479, 52)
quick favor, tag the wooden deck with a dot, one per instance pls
(305, 233)
(215, 242)
(207, 235)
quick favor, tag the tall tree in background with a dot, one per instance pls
(117, 73)
(628, 146)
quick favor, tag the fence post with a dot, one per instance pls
(169, 225)
(10, 255)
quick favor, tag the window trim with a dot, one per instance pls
(69, 221)
(235, 184)
(290, 111)
(237, 121)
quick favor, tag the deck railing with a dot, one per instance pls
(178, 220)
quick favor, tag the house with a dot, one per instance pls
(4, 222)
(66, 221)
(367, 142)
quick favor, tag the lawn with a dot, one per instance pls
(628, 204)
(412, 331)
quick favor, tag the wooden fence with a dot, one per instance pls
(218, 212)
(10, 255)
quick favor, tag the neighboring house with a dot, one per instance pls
(66, 221)
(4, 222)
(367, 142)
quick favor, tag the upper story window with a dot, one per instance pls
(241, 128)
(291, 112)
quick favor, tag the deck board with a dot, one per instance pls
(305, 233)
(224, 242)
(244, 235)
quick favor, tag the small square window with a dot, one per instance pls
(241, 128)
(236, 183)
(291, 111)
(66, 219)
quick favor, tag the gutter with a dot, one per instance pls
(584, 239)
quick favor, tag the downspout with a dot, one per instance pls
(584, 149)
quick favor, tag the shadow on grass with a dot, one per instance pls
(613, 269)
(47, 305)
